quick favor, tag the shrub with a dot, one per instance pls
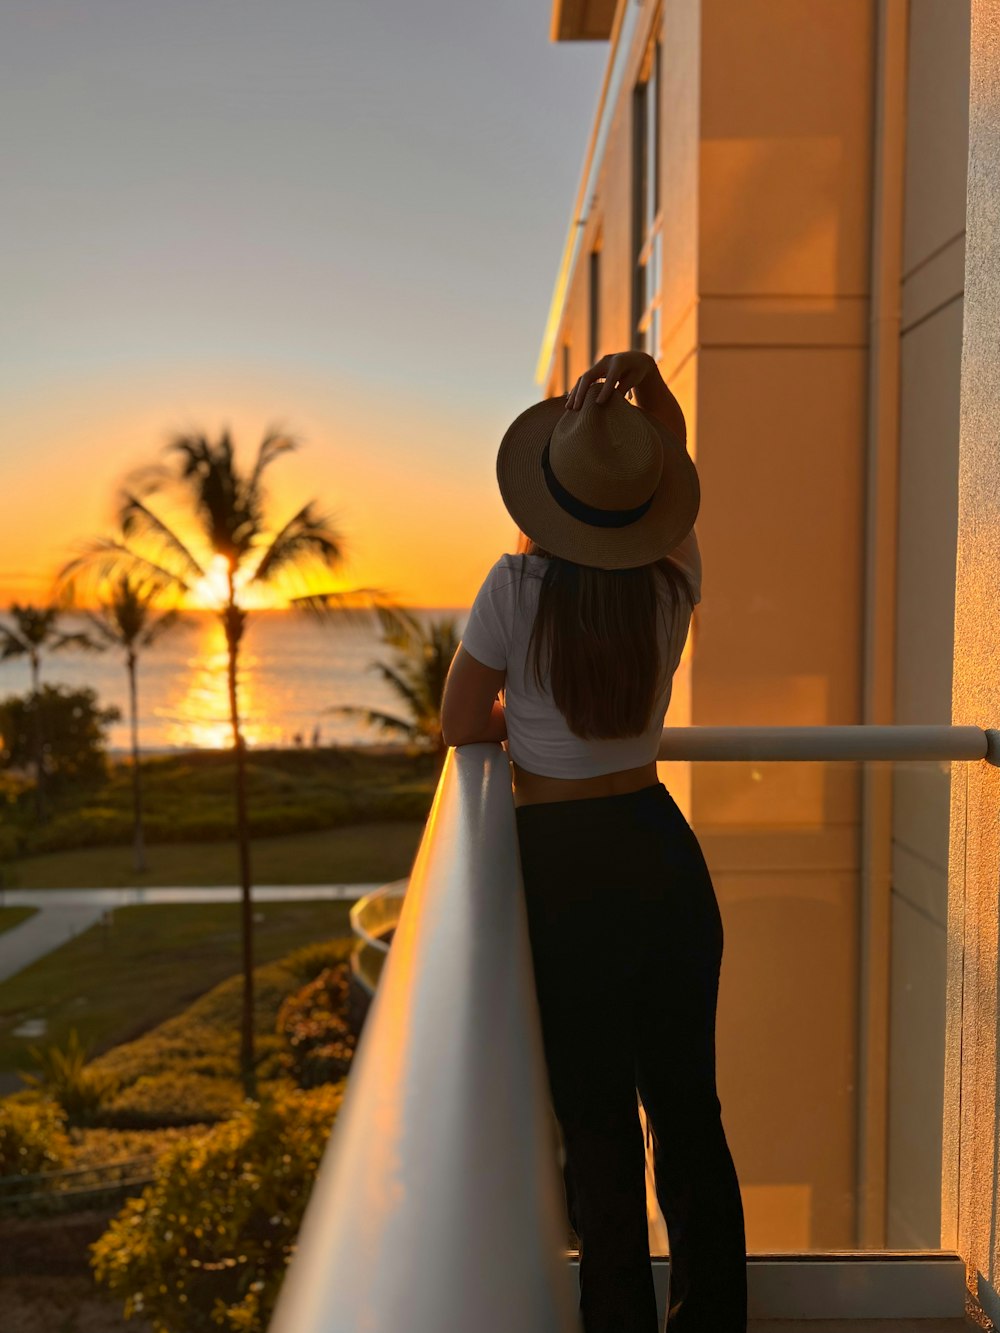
(309, 961)
(186, 1070)
(32, 1137)
(78, 1087)
(317, 1031)
(73, 729)
(175, 1097)
(207, 1243)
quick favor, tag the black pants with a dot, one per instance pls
(626, 940)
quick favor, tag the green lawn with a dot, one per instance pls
(114, 983)
(13, 916)
(359, 854)
(189, 798)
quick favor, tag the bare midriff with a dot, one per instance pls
(536, 788)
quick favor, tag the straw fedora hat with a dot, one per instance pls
(604, 484)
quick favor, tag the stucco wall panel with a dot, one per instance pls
(936, 123)
(786, 148)
(780, 461)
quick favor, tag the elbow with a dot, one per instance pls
(451, 733)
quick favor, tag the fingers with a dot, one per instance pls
(611, 379)
(579, 390)
(618, 372)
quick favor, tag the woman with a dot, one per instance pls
(582, 630)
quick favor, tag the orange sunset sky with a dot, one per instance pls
(344, 221)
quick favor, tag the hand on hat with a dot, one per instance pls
(621, 370)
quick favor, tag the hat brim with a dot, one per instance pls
(539, 515)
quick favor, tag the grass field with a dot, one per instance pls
(359, 854)
(13, 916)
(114, 983)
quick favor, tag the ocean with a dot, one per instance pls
(292, 670)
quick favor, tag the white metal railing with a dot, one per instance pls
(829, 743)
(438, 1205)
(377, 912)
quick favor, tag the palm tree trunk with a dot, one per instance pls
(36, 738)
(138, 842)
(234, 619)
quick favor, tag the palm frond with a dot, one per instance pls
(223, 501)
(272, 446)
(105, 558)
(375, 718)
(139, 522)
(348, 606)
(83, 641)
(105, 628)
(33, 625)
(162, 625)
(308, 535)
(400, 628)
(403, 687)
(10, 645)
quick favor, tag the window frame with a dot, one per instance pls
(647, 214)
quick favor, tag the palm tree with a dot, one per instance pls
(32, 631)
(416, 673)
(232, 549)
(128, 618)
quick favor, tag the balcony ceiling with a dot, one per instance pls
(582, 20)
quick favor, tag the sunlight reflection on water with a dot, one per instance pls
(291, 670)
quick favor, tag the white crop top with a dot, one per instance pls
(538, 736)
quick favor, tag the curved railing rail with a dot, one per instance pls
(374, 915)
(438, 1204)
(373, 919)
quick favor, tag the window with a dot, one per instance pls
(646, 245)
(595, 304)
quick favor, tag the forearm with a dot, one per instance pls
(495, 728)
(653, 395)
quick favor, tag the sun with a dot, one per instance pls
(212, 590)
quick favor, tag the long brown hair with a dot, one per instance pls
(599, 627)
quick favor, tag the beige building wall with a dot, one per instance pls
(784, 191)
(970, 1197)
(764, 196)
(768, 157)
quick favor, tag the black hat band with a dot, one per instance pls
(598, 518)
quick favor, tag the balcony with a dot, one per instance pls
(438, 1205)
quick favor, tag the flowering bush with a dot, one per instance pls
(207, 1243)
(32, 1137)
(315, 1025)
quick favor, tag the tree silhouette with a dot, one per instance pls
(416, 673)
(30, 632)
(232, 549)
(128, 618)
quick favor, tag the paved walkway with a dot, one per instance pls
(63, 913)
